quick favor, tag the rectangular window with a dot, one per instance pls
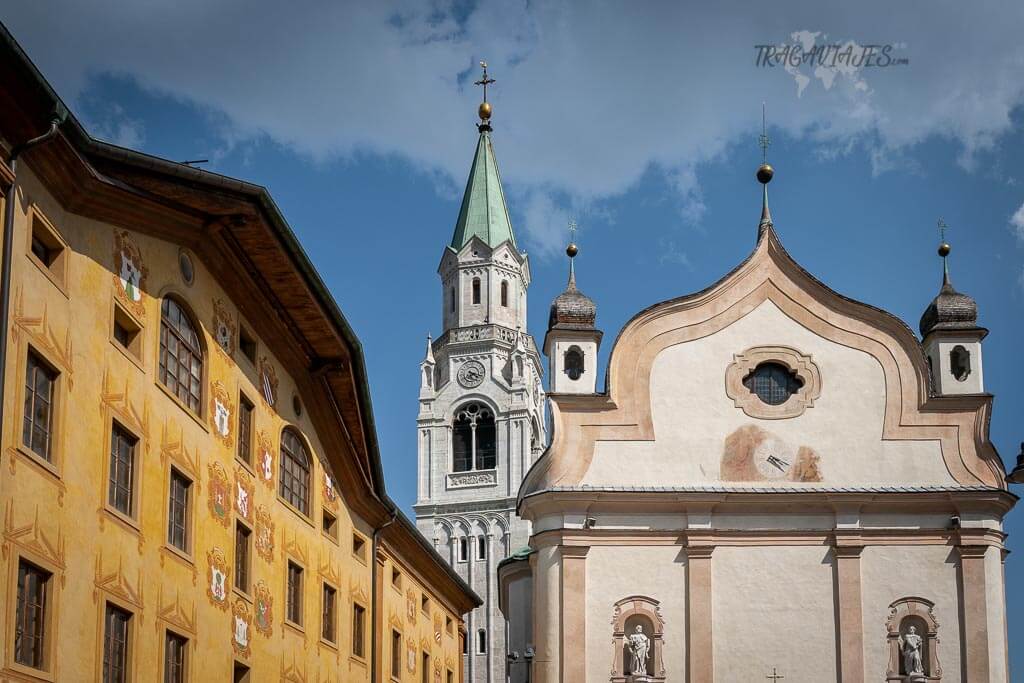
(37, 428)
(450, 678)
(396, 655)
(122, 470)
(175, 651)
(30, 624)
(448, 623)
(178, 511)
(425, 669)
(245, 410)
(481, 548)
(241, 673)
(330, 524)
(358, 630)
(481, 642)
(126, 332)
(247, 344)
(463, 549)
(115, 645)
(47, 249)
(242, 535)
(359, 547)
(327, 629)
(425, 604)
(294, 603)
(396, 578)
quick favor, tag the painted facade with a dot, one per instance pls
(481, 417)
(776, 479)
(159, 503)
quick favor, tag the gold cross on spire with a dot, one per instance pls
(763, 140)
(484, 80)
(572, 230)
(942, 230)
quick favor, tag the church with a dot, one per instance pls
(776, 483)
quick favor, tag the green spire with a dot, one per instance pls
(483, 211)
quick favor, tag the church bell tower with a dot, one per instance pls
(481, 403)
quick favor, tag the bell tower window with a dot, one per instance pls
(474, 439)
(451, 299)
(960, 363)
(504, 293)
(574, 366)
(476, 290)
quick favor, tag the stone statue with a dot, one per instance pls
(910, 646)
(639, 645)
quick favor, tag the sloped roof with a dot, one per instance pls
(483, 213)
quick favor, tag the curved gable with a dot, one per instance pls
(667, 417)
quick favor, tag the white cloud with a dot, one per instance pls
(589, 97)
(1017, 223)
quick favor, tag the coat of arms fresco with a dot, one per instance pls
(330, 492)
(263, 619)
(265, 459)
(241, 620)
(223, 327)
(217, 578)
(268, 382)
(221, 412)
(244, 490)
(220, 493)
(410, 605)
(264, 534)
(130, 271)
(410, 656)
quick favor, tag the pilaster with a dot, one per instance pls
(849, 616)
(574, 613)
(974, 607)
(700, 650)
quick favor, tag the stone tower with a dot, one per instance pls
(481, 421)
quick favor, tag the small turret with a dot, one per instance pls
(572, 340)
(952, 337)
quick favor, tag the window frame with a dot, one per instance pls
(290, 595)
(481, 548)
(329, 530)
(504, 293)
(58, 408)
(462, 553)
(359, 552)
(198, 412)
(475, 454)
(332, 619)
(481, 641)
(176, 471)
(396, 655)
(133, 351)
(246, 438)
(476, 288)
(170, 634)
(358, 635)
(56, 271)
(45, 670)
(54, 375)
(107, 605)
(246, 566)
(135, 504)
(309, 471)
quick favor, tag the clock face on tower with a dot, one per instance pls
(773, 458)
(471, 374)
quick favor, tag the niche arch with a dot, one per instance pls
(903, 614)
(627, 613)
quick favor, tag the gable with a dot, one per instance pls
(667, 418)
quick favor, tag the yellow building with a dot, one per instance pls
(189, 476)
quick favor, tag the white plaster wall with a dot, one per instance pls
(939, 348)
(561, 382)
(693, 415)
(889, 573)
(773, 606)
(617, 572)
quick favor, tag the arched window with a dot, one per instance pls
(481, 642)
(960, 363)
(294, 486)
(574, 362)
(181, 355)
(773, 383)
(504, 293)
(476, 290)
(451, 296)
(474, 439)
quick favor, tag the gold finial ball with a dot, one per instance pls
(765, 173)
(944, 249)
(485, 111)
(572, 250)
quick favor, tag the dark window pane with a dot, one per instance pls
(30, 622)
(181, 356)
(245, 410)
(175, 650)
(177, 526)
(294, 484)
(773, 383)
(358, 626)
(327, 615)
(241, 558)
(37, 422)
(115, 645)
(122, 465)
(294, 602)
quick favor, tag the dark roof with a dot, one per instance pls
(949, 310)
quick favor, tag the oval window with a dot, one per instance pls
(773, 383)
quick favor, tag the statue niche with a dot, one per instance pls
(637, 641)
(913, 642)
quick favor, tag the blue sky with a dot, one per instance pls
(640, 124)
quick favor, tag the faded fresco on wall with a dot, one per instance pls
(754, 454)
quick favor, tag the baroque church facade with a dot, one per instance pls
(481, 418)
(777, 482)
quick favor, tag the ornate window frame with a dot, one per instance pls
(624, 609)
(898, 612)
(800, 364)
